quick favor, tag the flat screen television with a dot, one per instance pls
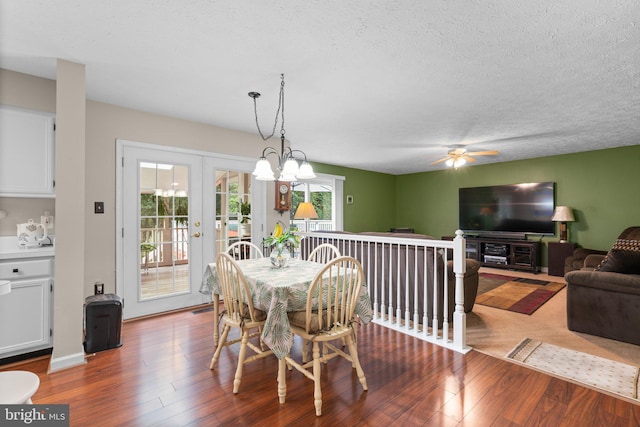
(514, 209)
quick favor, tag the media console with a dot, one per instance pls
(510, 254)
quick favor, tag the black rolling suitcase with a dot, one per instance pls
(103, 322)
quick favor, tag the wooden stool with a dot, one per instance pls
(17, 387)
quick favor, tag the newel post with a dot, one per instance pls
(459, 268)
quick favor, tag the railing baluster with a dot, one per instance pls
(387, 278)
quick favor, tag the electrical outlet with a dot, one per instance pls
(98, 288)
(47, 221)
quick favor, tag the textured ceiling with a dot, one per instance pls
(388, 87)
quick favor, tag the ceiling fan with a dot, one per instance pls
(460, 156)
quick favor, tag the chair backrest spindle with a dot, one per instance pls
(244, 250)
(235, 291)
(324, 253)
(334, 292)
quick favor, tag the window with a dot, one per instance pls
(325, 193)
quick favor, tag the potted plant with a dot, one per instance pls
(245, 212)
(281, 242)
(145, 249)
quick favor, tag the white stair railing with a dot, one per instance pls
(408, 281)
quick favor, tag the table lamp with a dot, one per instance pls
(563, 214)
(305, 211)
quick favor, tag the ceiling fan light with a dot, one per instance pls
(306, 171)
(449, 162)
(460, 161)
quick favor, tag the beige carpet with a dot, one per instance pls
(496, 332)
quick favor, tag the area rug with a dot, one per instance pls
(592, 371)
(517, 294)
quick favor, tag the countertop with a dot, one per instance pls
(9, 249)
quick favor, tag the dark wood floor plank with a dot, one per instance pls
(161, 376)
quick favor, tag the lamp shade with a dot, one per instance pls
(305, 211)
(289, 170)
(263, 171)
(306, 171)
(563, 214)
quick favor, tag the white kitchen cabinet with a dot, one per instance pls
(26, 312)
(26, 153)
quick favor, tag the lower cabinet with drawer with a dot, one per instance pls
(26, 312)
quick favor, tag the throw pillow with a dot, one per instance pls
(624, 257)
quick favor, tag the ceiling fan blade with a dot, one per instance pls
(484, 153)
(441, 160)
(469, 159)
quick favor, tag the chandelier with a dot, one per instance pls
(288, 165)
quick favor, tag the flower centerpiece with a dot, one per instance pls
(281, 242)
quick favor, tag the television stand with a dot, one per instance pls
(502, 236)
(517, 254)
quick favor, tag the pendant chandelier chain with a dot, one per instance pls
(291, 169)
(279, 112)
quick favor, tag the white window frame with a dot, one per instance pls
(336, 182)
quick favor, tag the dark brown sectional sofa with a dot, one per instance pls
(605, 300)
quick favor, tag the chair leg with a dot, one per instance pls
(353, 352)
(241, 357)
(263, 346)
(221, 341)
(305, 350)
(317, 391)
(282, 380)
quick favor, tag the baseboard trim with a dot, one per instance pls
(26, 357)
(60, 363)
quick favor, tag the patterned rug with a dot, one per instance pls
(592, 371)
(515, 293)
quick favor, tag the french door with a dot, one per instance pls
(179, 209)
(162, 236)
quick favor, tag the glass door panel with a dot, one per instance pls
(162, 244)
(164, 218)
(233, 208)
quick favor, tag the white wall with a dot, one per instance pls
(104, 124)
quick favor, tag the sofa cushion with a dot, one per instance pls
(624, 257)
(578, 259)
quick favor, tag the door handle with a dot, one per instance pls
(196, 234)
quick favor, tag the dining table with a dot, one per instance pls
(277, 291)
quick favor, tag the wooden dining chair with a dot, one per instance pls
(324, 253)
(240, 313)
(329, 316)
(244, 250)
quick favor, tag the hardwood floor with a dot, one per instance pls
(160, 377)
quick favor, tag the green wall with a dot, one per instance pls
(601, 186)
(374, 198)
